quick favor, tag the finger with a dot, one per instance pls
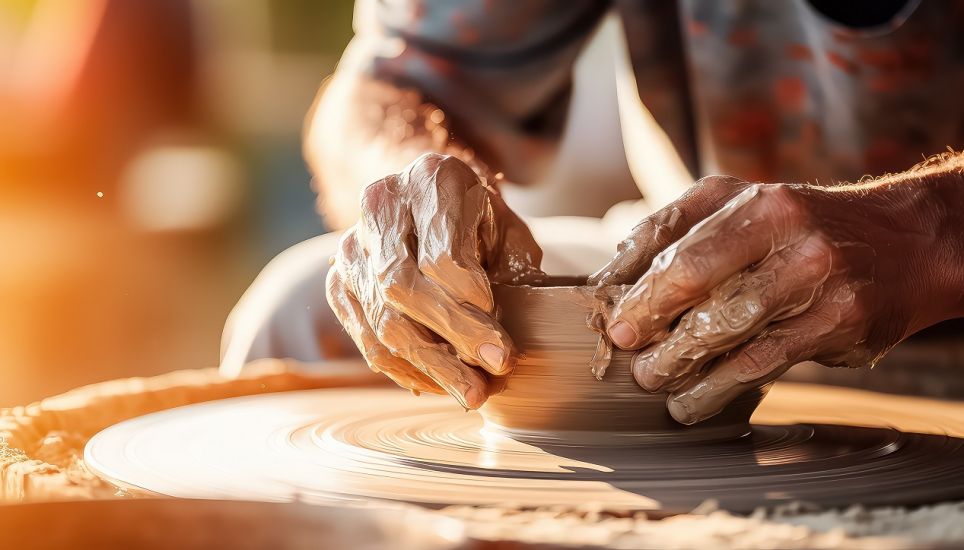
(355, 275)
(448, 202)
(747, 229)
(666, 226)
(391, 277)
(511, 253)
(412, 342)
(477, 338)
(783, 285)
(403, 337)
(753, 364)
(379, 358)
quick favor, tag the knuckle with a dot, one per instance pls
(448, 172)
(781, 199)
(688, 273)
(719, 185)
(845, 300)
(745, 311)
(817, 255)
(375, 195)
(712, 192)
(454, 164)
(428, 165)
(430, 160)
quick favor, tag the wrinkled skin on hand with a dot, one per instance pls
(736, 282)
(411, 282)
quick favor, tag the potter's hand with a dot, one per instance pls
(736, 282)
(411, 279)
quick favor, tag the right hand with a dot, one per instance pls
(411, 280)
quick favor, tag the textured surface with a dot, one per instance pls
(43, 460)
(852, 447)
(793, 526)
(41, 444)
(551, 396)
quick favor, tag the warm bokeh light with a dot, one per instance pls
(178, 188)
(150, 164)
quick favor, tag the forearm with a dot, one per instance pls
(940, 182)
(926, 203)
(362, 129)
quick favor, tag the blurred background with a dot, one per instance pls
(150, 165)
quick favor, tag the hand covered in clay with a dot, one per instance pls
(411, 280)
(736, 282)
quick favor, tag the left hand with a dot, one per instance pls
(736, 282)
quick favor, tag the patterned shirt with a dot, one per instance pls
(766, 90)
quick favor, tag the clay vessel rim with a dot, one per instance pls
(558, 283)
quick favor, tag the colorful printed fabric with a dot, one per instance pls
(790, 90)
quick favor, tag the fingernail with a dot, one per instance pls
(622, 334)
(473, 398)
(493, 356)
(644, 373)
(681, 410)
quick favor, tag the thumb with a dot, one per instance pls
(664, 227)
(512, 253)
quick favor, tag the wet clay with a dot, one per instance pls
(756, 278)
(558, 392)
(822, 445)
(411, 279)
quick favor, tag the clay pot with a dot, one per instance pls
(552, 396)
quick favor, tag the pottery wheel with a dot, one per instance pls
(827, 446)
